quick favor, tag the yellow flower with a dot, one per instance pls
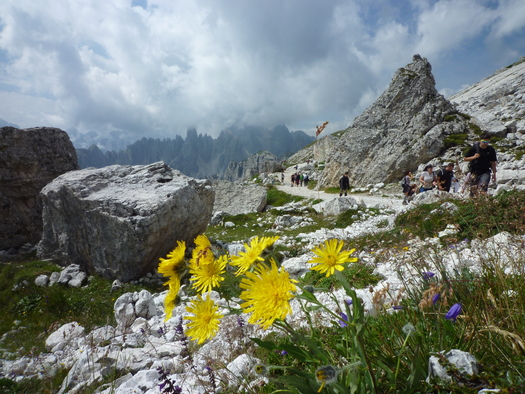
(330, 258)
(204, 323)
(252, 254)
(169, 301)
(202, 254)
(208, 276)
(170, 266)
(267, 293)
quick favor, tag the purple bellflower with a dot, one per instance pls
(343, 323)
(453, 313)
(428, 275)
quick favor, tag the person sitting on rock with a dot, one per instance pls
(344, 184)
(427, 178)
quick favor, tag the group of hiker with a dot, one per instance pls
(482, 168)
(298, 179)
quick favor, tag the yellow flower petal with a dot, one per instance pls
(208, 276)
(267, 293)
(169, 267)
(330, 258)
(204, 323)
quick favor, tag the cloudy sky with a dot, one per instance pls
(156, 67)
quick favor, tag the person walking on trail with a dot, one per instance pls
(482, 163)
(292, 178)
(344, 184)
(282, 177)
(444, 177)
(407, 187)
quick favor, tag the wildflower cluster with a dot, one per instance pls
(266, 288)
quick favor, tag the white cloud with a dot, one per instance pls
(449, 23)
(100, 66)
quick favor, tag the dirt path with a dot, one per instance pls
(370, 200)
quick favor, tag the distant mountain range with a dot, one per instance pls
(201, 156)
(3, 123)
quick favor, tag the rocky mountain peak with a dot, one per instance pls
(401, 129)
(411, 88)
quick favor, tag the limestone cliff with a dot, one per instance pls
(497, 103)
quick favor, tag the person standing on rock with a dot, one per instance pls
(344, 184)
(482, 162)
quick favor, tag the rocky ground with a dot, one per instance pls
(142, 344)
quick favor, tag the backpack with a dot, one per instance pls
(404, 182)
(473, 163)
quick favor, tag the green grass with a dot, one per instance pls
(357, 274)
(476, 218)
(455, 140)
(277, 198)
(41, 310)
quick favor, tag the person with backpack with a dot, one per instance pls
(344, 184)
(407, 187)
(444, 177)
(482, 163)
(427, 178)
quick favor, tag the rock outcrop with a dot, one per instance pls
(497, 103)
(254, 165)
(403, 128)
(117, 221)
(234, 198)
(29, 159)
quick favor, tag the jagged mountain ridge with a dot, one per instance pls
(200, 155)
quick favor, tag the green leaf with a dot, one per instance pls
(303, 385)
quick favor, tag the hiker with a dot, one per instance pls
(292, 179)
(297, 179)
(301, 179)
(427, 178)
(482, 162)
(344, 184)
(306, 179)
(282, 177)
(407, 188)
(444, 177)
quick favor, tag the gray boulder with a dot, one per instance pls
(339, 205)
(29, 159)
(234, 198)
(117, 221)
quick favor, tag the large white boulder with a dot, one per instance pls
(117, 221)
